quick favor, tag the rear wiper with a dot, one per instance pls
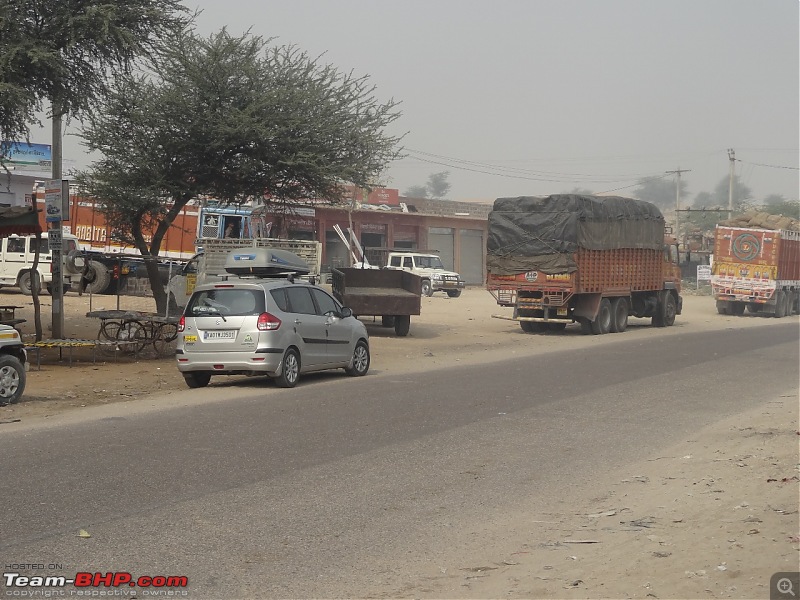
(216, 306)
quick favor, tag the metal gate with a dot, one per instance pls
(471, 255)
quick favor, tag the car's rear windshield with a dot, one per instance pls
(226, 302)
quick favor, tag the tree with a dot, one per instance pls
(776, 204)
(660, 191)
(719, 197)
(232, 118)
(64, 52)
(580, 192)
(417, 191)
(436, 187)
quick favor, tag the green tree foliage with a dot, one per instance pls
(580, 192)
(436, 187)
(775, 204)
(230, 118)
(742, 196)
(660, 191)
(64, 50)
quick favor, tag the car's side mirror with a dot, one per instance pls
(346, 312)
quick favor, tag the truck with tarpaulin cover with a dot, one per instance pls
(592, 260)
(757, 269)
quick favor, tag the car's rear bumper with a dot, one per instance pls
(262, 361)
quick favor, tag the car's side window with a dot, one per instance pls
(407, 262)
(279, 296)
(16, 245)
(325, 303)
(300, 300)
(395, 261)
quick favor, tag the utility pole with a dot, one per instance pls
(57, 286)
(678, 172)
(732, 158)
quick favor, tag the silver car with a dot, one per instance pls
(277, 327)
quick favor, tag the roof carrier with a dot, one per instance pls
(265, 262)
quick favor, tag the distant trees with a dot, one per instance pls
(436, 187)
(231, 118)
(660, 191)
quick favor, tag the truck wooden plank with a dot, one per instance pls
(391, 294)
(586, 259)
(757, 269)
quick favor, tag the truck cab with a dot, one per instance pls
(429, 267)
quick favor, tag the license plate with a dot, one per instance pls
(562, 311)
(190, 339)
(225, 334)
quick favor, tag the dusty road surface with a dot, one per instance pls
(713, 516)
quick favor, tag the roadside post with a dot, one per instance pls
(703, 274)
(56, 195)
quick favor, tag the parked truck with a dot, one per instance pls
(593, 260)
(757, 269)
(392, 294)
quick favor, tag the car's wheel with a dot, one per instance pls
(780, 304)
(602, 322)
(26, 283)
(454, 293)
(290, 369)
(527, 326)
(402, 324)
(12, 379)
(723, 307)
(619, 315)
(737, 308)
(197, 379)
(556, 326)
(427, 288)
(360, 360)
(754, 308)
(387, 321)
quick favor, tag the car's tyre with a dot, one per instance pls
(97, 278)
(26, 283)
(427, 288)
(402, 325)
(387, 321)
(619, 315)
(737, 308)
(12, 379)
(527, 326)
(754, 308)
(723, 307)
(454, 293)
(556, 326)
(197, 379)
(780, 304)
(360, 360)
(290, 369)
(602, 322)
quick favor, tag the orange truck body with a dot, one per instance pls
(757, 269)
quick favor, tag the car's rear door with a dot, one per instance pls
(225, 319)
(339, 331)
(309, 326)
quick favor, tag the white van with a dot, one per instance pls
(16, 259)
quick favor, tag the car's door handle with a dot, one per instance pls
(297, 321)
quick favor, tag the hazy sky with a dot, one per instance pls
(529, 97)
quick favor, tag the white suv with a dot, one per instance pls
(428, 266)
(17, 253)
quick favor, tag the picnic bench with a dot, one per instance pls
(8, 315)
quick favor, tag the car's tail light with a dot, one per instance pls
(268, 322)
(182, 323)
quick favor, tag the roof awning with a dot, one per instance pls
(22, 220)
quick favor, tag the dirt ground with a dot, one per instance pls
(721, 509)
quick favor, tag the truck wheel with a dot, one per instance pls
(197, 379)
(586, 325)
(402, 323)
(427, 289)
(454, 293)
(360, 360)
(723, 307)
(754, 308)
(290, 369)
(619, 315)
(97, 278)
(12, 379)
(737, 308)
(49, 287)
(602, 322)
(780, 304)
(387, 321)
(665, 310)
(26, 284)
(554, 327)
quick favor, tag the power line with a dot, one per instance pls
(769, 166)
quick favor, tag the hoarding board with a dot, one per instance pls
(22, 154)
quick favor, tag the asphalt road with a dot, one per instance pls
(353, 487)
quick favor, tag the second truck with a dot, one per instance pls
(592, 260)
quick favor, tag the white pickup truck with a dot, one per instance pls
(17, 253)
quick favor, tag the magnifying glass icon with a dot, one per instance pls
(785, 586)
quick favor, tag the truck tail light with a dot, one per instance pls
(182, 323)
(268, 322)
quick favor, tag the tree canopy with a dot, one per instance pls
(231, 118)
(437, 187)
(64, 51)
(660, 191)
